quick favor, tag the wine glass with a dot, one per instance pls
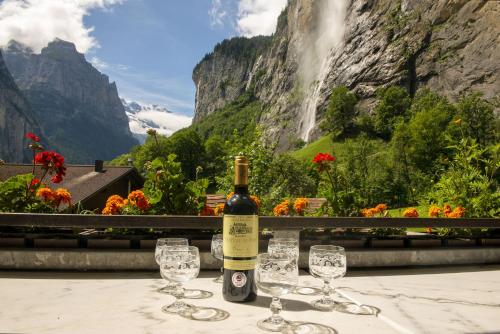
(327, 262)
(284, 245)
(161, 245)
(216, 249)
(180, 264)
(275, 274)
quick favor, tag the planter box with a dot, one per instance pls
(425, 243)
(387, 243)
(11, 242)
(56, 243)
(491, 242)
(461, 242)
(108, 243)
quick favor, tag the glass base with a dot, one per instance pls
(196, 294)
(324, 304)
(308, 328)
(168, 289)
(204, 314)
(352, 308)
(219, 279)
(273, 324)
(177, 307)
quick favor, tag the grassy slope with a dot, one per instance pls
(323, 145)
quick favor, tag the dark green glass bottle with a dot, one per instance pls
(240, 239)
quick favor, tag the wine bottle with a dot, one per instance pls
(240, 239)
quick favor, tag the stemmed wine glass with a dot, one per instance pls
(327, 262)
(161, 245)
(275, 274)
(216, 249)
(180, 264)
(284, 245)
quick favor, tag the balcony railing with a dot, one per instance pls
(69, 221)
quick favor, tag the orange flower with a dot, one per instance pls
(115, 199)
(230, 195)
(61, 195)
(434, 211)
(219, 209)
(410, 213)
(256, 200)
(46, 194)
(137, 198)
(458, 212)
(300, 204)
(368, 212)
(446, 209)
(380, 208)
(282, 209)
(113, 205)
(207, 211)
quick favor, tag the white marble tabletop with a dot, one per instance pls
(436, 300)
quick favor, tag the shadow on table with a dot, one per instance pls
(288, 304)
(420, 270)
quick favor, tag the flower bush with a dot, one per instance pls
(410, 213)
(291, 207)
(300, 205)
(28, 193)
(135, 204)
(282, 209)
(380, 209)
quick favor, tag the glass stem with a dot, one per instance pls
(327, 291)
(222, 270)
(178, 293)
(275, 309)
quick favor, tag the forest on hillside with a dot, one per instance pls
(411, 152)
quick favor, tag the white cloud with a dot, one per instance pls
(259, 17)
(35, 23)
(217, 13)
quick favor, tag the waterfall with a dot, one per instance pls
(316, 60)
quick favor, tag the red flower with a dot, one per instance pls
(322, 160)
(34, 182)
(52, 162)
(323, 157)
(32, 136)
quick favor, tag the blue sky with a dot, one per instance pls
(151, 47)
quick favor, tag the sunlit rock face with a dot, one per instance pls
(77, 107)
(16, 119)
(452, 47)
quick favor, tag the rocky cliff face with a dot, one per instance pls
(450, 46)
(77, 107)
(16, 119)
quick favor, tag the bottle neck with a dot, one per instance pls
(241, 189)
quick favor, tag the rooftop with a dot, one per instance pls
(82, 181)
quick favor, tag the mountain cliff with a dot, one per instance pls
(450, 46)
(77, 107)
(16, 119)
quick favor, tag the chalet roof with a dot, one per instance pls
(82, 181)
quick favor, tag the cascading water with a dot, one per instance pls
(317, 58)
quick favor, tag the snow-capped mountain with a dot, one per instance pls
(143, 117)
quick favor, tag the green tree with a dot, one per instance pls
(393, 105)
(189, 148)
(341, 112)
(471, 181)
(477, 119)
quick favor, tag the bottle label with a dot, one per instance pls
(241, 241)
(239, 279)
